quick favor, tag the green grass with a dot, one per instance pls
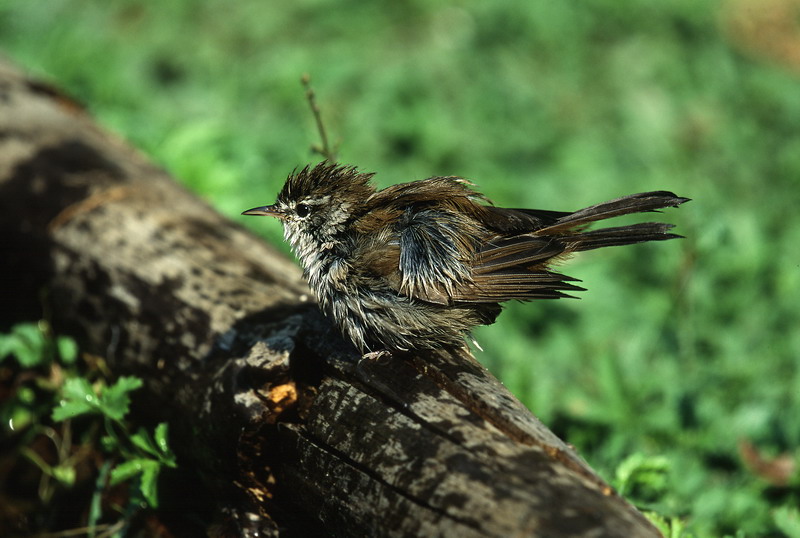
(679, 350)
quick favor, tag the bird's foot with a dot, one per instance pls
(370, 360)
(377, 357)
(370, 370)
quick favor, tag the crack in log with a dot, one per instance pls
(344, 459)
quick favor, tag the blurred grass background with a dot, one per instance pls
(681, 361)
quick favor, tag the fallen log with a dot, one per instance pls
(263, 396)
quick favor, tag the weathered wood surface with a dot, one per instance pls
(264, 398)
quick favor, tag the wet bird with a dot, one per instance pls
(419, 264)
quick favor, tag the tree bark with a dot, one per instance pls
(265, 399)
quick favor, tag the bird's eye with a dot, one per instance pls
(302, 210)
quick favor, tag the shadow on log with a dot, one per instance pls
(262, 396)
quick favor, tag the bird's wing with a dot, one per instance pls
(436, 251)
(419, 237)
(452, 248)
(437, 256)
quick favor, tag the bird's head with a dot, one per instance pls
(317, 204)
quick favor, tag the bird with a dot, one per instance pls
(418, 265)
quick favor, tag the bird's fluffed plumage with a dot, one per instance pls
(418, 265)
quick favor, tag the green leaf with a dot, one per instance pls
(69, 409)
(26, 395)
(19, 417)
(161, 436)
(79, 388)
(167, 457)
(29, 344)
(640, 475)
(115, 400)
(109, 443)
(26, 343)
(29, 332)
(128, 469)
(160, 449)
(142, 440)
(6, 345)
(67, 349)
(670, 528)
(787, 519)
(19, 412)
(658, 522)
(64, 474)
(78, 399)
(149, 483)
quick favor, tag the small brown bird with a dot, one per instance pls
(420, 264)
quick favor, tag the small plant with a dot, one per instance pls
(642, 477)
(66, 419)
(644, 480)
(143, 455)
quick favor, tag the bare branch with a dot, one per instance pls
(325, 150)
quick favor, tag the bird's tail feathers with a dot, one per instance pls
(634, 203)
(620, 235)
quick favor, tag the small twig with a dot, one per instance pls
(325, 150)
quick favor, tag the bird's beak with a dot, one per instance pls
(267, 210)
